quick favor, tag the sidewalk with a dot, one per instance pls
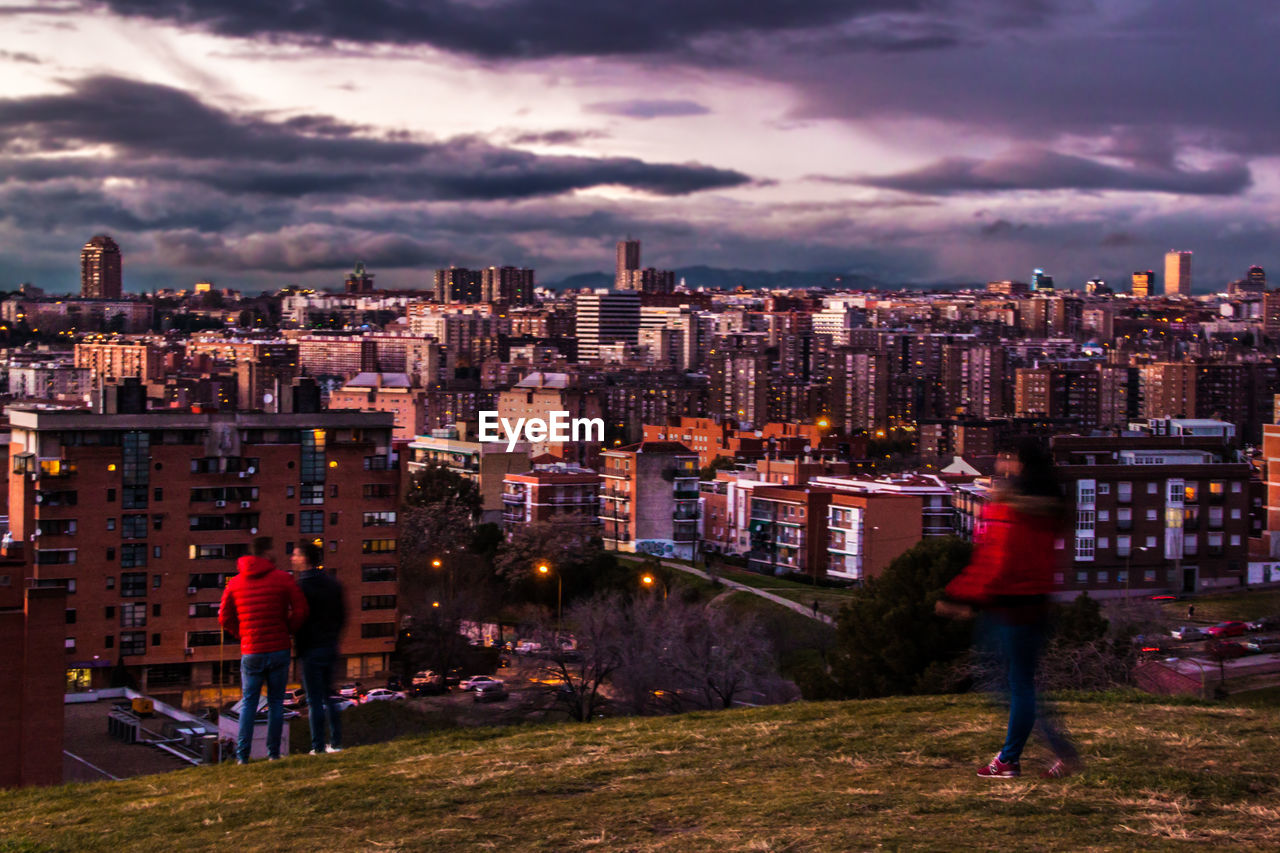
(740, 587)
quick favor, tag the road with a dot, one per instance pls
(741, 587)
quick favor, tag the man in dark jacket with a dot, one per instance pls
(262, 606)
(317, 644)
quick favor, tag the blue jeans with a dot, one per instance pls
(1019, 647)
(317, 680)
(273, 669)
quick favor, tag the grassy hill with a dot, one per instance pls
(808, 777)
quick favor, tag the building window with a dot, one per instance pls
(378, 546)
(288, 491)
(1124, 546)
(1151, 515)
(377, 574)
(1082, 577)
(155, 611)
(133, 584)
(157, 522)
(1104, 489)
(109, 642)
(196, 639)
(155, 551)
(70, 644)
(370, 630)
(379, 519)
(111, 582)
(133, 615)
(1150, 542)
(378, 602)
(1084, 548)
(1153, 488)
(1103, 541)
(133, 555)
(312, 494)
(71, 616)
(1124, 492)
(1103, 577)
(111, 524)
(155, 581)
(1149, 576)
(1235, 487)
(133, 527)
(311, 521)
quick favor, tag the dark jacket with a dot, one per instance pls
(327, 608)
(262, 606)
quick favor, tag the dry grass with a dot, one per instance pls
(810, 777)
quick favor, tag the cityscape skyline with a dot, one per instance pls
(961, 144)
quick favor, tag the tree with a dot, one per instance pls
(575, 554)
(888, 638)
(435, 486)
(583, 671)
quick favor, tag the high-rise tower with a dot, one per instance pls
(1177, 273)
(628, 263)
(100, 269)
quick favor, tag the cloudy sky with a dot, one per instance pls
(263, 143)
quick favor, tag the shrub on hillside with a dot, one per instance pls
(888, 639)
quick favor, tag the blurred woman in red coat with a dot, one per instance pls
(1009, 579)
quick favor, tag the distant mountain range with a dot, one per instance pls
(729, 279)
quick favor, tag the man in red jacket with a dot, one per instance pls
(262, 606)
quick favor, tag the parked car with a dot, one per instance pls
(382, 694)
(435, 687)
(350, 690)
(1262, 645)
(528, 647)
(476, 681)
(493, 691)
(1227, 651)
(1226, 629)
(295, 698)
(1187, 632)
(1266, 623)
(342, 703)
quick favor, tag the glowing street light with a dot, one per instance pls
(649, 580)
(544, 570)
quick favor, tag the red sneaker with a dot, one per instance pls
(1061, 769)
(997, 769)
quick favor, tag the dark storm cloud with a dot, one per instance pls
(649, 108)
(557, 137)
(515, 29)
(19, 56)
(163, 133)
(1154, 75)
(1041, 169)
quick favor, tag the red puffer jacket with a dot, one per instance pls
(262, 606)
(1013, 555)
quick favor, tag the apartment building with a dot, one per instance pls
(650, 499)
(141, 516)
(1151, 513)
(551, 493)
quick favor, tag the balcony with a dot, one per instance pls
(684, 495)
(55, 469)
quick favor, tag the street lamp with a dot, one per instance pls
(649, 580)
(545, 570)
